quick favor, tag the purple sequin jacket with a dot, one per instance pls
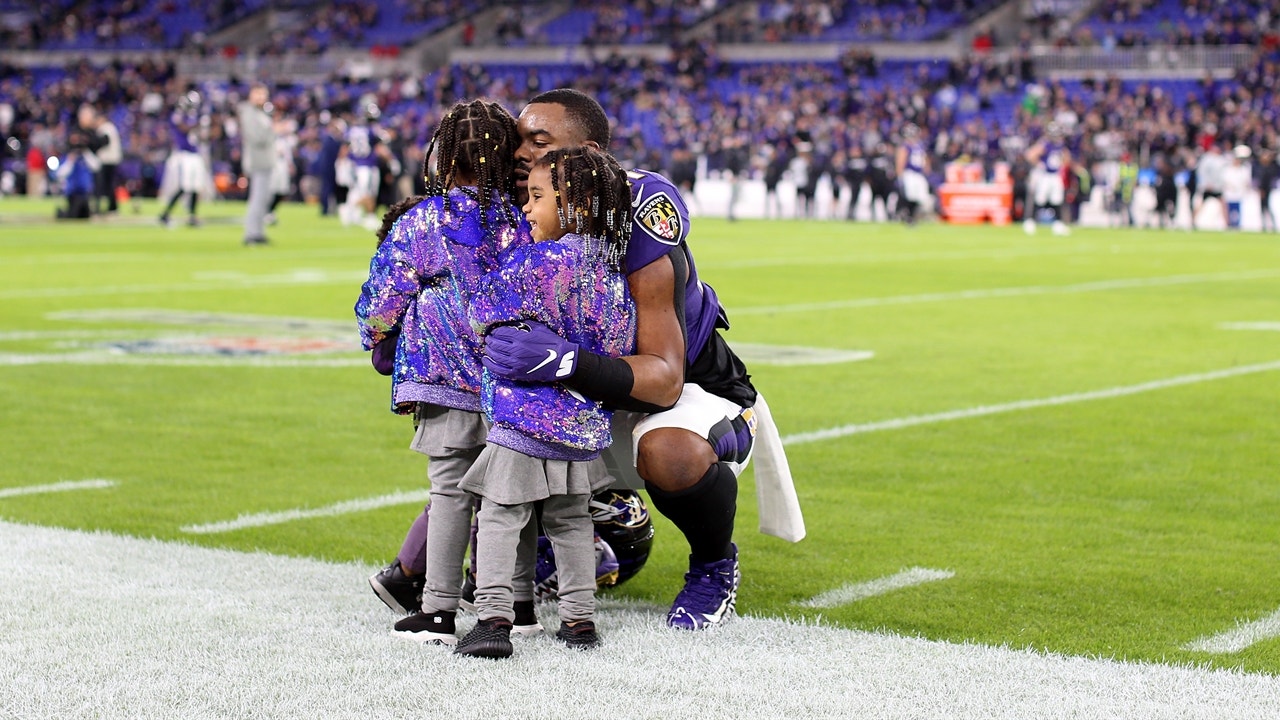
(421, 280)
(567, 285)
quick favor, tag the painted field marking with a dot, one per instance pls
(1271, 326)
(1095, 286)
(880, 586)
(276, 518)
(301, 276)
(1107, 393)
(107, 357)
(67, 486)
(1241, 637)
(789, 355)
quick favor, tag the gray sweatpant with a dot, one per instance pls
(259, 202)
(567, 522)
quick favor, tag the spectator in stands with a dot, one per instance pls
(258, 159)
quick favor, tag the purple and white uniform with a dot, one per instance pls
(718, 396)
(185, 169)
(361, 141)
(915, 186)
(1048, 187)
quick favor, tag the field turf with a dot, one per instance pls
(1081, 434)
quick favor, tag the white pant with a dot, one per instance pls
(185, 172)
(915, 187)
(1048, 189)
(697, 411)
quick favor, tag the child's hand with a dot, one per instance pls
(529, 352)
(384, 353)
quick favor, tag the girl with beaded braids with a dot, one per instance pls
(433, 251)
(545, 442)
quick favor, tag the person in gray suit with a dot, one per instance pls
(257, 158)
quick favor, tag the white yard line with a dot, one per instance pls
(880, 586)
(152, 629)
(982, 410)
(1266, 326)
(275, 518)
(983, 293)
(1239, 638)
(995, 253)
(67, 486)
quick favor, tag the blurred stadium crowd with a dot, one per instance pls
(697, 113)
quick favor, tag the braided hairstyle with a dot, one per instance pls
(475, 142)
(591, 188)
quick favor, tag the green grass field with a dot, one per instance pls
(1114, 519)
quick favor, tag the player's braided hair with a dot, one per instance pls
(475, 141)
(591, 188)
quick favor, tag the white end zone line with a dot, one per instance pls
(1115, 392)
(880, 586)
(275, 518)
(1241, 637)
(67, 486)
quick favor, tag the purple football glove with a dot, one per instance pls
(384, 354)
(529, 352)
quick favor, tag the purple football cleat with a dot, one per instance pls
(710, 591)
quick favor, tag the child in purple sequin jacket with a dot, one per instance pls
(569, 279)
(420, 281)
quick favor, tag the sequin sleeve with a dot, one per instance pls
(410, 254)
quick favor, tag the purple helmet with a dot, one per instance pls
(622, 521)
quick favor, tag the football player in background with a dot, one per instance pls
(1049, 158)
(362, 152)
(186, 174)
(912, 163)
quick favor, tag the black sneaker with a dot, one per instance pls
(489, 638)
(435, 628)
(526, 623)
(468, 600)
(400, 592)
(580, 635)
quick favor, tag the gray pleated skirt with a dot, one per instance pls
(507, 477)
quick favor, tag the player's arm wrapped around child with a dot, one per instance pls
(575, 305)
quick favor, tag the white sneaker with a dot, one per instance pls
(1029, 227)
